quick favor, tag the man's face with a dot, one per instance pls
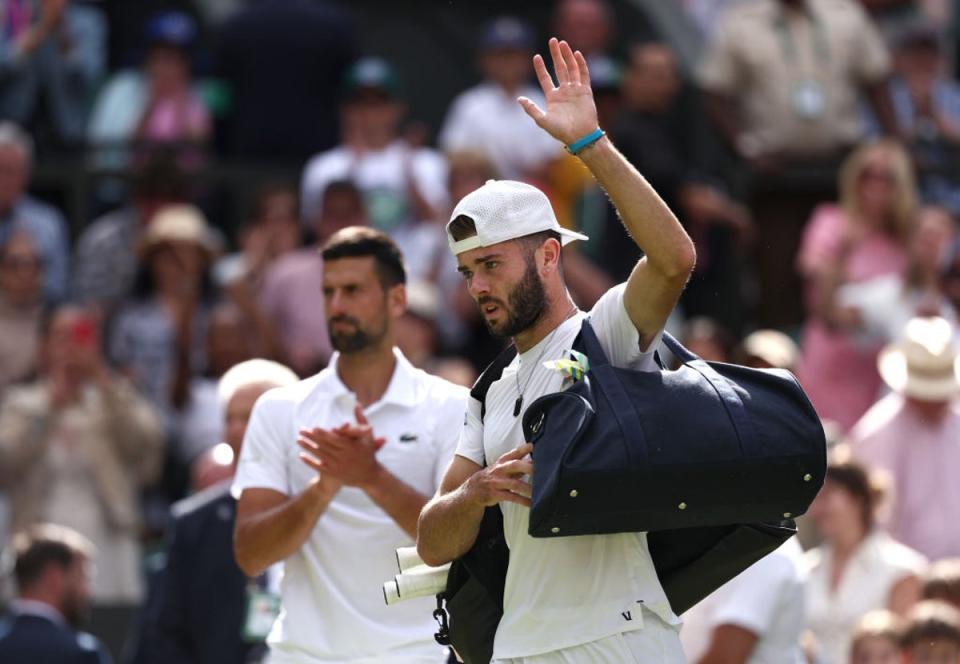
(75, 599)
(651, 82)
(372, 112)
(338, 211)
(507, 67)
(21, 271)
(358, 308)
(13, 176)
(238, 414)
(504, 282)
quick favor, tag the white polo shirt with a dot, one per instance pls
(566, 591)
(766, 599)
(332, 591)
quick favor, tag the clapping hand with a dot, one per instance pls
(571, 112)
(347, 453)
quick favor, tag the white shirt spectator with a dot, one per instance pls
(868, 577)
(766, 599)
(332, 590)
(487, 119)
(565, 592)
(377, 174)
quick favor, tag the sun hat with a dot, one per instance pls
(179, 223)
(925, 363)
(505, 210)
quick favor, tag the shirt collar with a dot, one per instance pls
(401, 391)
(32, 607)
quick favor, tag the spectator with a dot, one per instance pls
(858, 568)
(157, 105)
(403, 185)
(18, 211)
(756, 618)
(768, 349)
(912, 433)
(158, 336)
(293, 282)
(21, 306)
(587, 25)
(783, 80)
(105, 263)
(75, 447)
(487, 118)
(661, 132)
(877, 639)
(53, 51)
(942, 581)
(863, 238)
(199, 612)
(52, 570)
(927, 105)
(228, 343)
(284, 61)
(418, 338)
(881, 307)
(273, 231)
(708, 339)
(932, 635)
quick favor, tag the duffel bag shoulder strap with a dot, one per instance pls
(491, 375)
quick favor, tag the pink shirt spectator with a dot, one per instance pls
(922, 459)
(176, 120)
(838, 372)
(292, 298)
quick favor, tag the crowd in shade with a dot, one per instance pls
(810, 148)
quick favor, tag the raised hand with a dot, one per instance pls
(571, 113)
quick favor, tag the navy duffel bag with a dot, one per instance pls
(707, 444)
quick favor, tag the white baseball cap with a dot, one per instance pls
(506, 210)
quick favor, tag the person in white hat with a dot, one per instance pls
(914, 434)
(578, 599)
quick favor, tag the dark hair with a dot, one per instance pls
(931, 620)
(942, 581)
(43, 545)
(360, 242)
(855, 480)
(463, 227)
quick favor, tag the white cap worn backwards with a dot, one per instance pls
(506, 210)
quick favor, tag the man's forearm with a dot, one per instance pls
(398, 499)
(448, 527)
(275, 534)
(647, 218)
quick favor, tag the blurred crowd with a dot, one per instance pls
(812, 151)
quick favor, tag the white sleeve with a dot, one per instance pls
(752, 599)
(618, 335)
(470, 445)
(267, 443)
(447, 434)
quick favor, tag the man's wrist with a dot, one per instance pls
(374, 480)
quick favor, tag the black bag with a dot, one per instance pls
(709, 444)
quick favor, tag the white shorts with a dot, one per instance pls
(655, 643)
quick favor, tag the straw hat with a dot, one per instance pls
(925, 363)
(179, 223)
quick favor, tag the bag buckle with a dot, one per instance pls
(442, 635)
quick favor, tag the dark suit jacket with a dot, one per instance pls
(29, 639)
(198, 604)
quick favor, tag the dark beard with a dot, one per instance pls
(75, 611)
(355, 341)
(527, 302)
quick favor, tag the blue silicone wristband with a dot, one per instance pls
(587, 140)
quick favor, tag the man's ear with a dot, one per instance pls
(549, 256)
(397, 300)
